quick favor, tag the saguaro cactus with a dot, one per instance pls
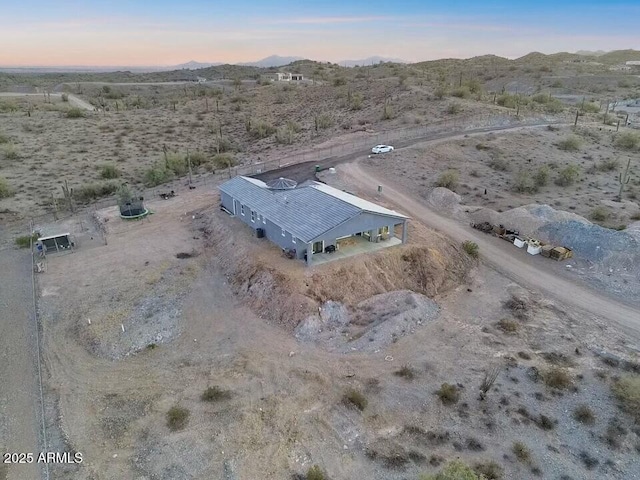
(623, 179)
(68, 195)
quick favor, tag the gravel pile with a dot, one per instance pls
(593, 242)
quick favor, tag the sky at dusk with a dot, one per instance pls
(161, 32)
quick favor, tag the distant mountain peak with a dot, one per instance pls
(369, 61)
(272, 61)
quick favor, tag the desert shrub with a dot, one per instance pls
(93, 191)
(65, 97)
(109, 172)
(3, 138)
(568, 175)
(215, 394)
(524, 183)
(471, 248)
(522, 452)
(223, 161)
(177, 418)
(440, 92)
(489, 470)
(157, 175)
(315, 473)
(497, 162)
(507, 325)
(589, 462)
(387, 112)
(448, 394)
(541, 98)
(545, 423)
(75, 112)
(599, 214)
(24, 241)
(356, 101)
(454, 108)
(557, 378)
(589, 107)
(627, 140)
(541, 176)
(507, 100)
(627, 391)
(455, 470)
(5, 190)
(554, 106)
(323, 121)
(406, 371)
(176, 163)
(198, 158)
(262, 129)
(10, 152)
(354, 398)
(339, 81)
(461, 92)
(285, 136)
(448, 179)
(607, 165)
(584, 414)
(518, 307)
(570, 144)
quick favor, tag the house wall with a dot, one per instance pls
(272, 231)
(362, 223)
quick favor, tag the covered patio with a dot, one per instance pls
(356, 246)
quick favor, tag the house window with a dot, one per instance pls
(383, 230)
(242, 209)
(284, 232)
(293, 239)
(253, 216)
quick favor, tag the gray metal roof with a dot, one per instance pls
(306, 212)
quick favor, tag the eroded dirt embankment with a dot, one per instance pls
(284, 291)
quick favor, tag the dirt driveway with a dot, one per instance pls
(509, 261)
(19, 405)
(73, 100)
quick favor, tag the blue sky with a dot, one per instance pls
(161, 32)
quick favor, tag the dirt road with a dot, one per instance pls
(508, 261)
(306, 170)
(20, 412)
(73, 100)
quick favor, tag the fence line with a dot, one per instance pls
(467, 122)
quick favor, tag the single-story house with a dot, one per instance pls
(311, 218)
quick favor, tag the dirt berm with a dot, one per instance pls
(284, 291)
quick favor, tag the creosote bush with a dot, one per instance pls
(75, 112)
(584, 414)
(448, 394)
(177, 418)
(568, 175)
(507, 325)
(315, 473)
(600, 214)
(570, 144)
(627, 140)
(10, 152)
(157, 175)
(557, 378)
(471, 248)
(489, 470)
(406, 371)
(354, 398)
(5, 190)
(93, 191)
(24, 241)
(109, 172)
(215, 394)
(455, 470)
(448, 179)
(522, 452)
(627, 391)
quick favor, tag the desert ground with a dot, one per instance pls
(182, 347)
